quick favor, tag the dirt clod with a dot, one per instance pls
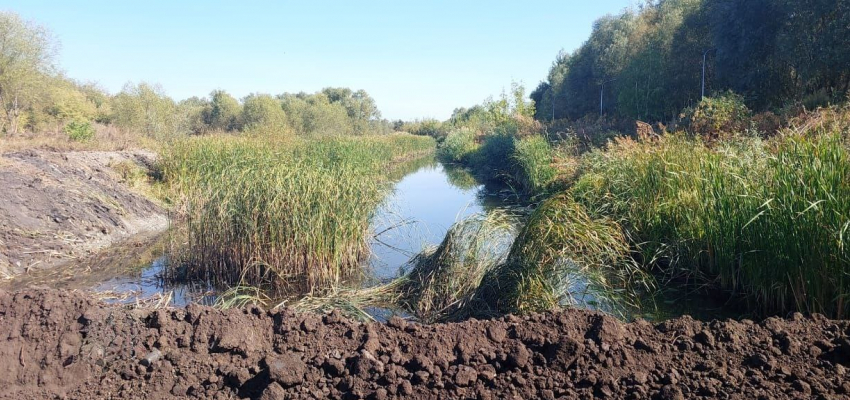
(64, 344)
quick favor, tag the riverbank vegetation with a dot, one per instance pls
(741, 191)
(43, 107)
(283, 214)
(745, 190)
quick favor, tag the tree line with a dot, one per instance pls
(36, 96)
(774, 53)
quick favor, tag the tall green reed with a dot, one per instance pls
(286, 215)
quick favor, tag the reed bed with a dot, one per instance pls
(767, 219)
(286, 215)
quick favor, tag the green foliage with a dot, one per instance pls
(223, 111)
(279, 213)
(718, 116)
(490, 161)
(26, 63)
(79, 130)
(765, 219)
(144, 108)
(458, 146)
(428, 127)
(771, 52)
(262, 112)
(533, 159)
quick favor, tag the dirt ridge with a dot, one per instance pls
(65, 344)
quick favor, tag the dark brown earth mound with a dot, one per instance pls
(64, 344)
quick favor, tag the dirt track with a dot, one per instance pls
(58, 343)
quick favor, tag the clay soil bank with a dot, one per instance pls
(56, 207)
(61, 344)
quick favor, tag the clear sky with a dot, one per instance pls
(417, 59)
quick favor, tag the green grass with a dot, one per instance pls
(766, 219)
(532, 160)
(279, 214)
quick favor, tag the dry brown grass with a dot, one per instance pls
(107, 138)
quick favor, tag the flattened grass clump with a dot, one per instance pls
(767, 219)
(281, 215)
(442, 281)
(561, 253)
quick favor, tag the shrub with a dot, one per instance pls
(491, 161)
(429, 127)
(79, 130)
(767, 123)
(719, 116)
(263, 113)
(458, 145)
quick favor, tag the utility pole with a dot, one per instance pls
(602, 93)
(704, 54)
(552, 88)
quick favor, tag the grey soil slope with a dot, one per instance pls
(57, 206)
(59, 344)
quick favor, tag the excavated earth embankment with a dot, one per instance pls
(56, 207)
(60, 344)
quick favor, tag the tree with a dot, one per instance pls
(263, 112)
(223, 112)
(26, 57)
(146, 109)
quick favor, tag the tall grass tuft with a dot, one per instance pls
(767, 219)
(284, 215)
(534, 170)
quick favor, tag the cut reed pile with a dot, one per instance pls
(278, 214)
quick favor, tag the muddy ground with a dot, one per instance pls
(66, 345)
(59, 206)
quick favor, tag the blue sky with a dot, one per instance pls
(417, 59)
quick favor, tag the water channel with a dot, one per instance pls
(424, 203)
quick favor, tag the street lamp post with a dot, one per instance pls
(704, 55)
(601, 95)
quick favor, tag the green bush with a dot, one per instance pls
(491, 161)
(458, 146)
(428, 127)
(263, 113)
(719, 116)
(79, 130)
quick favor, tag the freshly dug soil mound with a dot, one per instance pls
(64, 344)
(57, 206)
